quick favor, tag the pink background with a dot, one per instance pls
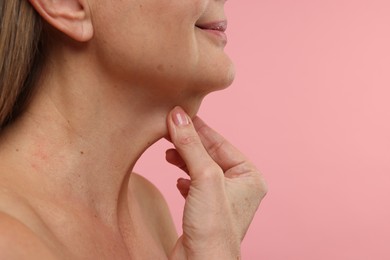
(311, 107)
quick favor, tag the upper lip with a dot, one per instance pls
(218, 26)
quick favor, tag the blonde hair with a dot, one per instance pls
(21, 31)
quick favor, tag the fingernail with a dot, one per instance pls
(180, 117)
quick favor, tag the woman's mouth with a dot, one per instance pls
(215, 29)
(217, 26)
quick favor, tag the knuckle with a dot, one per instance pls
(211, 172)
(216, 147)
(260, 186)
(263, 189)
(189, 140)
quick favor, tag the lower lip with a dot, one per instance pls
(221, 35)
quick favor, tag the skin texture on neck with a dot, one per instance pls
(81, 137)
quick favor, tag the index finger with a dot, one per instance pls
(189, 145)
(220, 150)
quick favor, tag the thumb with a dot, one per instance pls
(189, 145)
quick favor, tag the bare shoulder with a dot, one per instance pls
(17, 241)
(147, 191)
(155, 209)
(20, 228)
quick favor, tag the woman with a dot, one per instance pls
(86, 87)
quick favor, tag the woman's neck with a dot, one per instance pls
(80, 139)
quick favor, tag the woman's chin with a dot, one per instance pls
(192, 106)
(215, 80)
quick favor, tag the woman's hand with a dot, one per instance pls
(222, 194)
